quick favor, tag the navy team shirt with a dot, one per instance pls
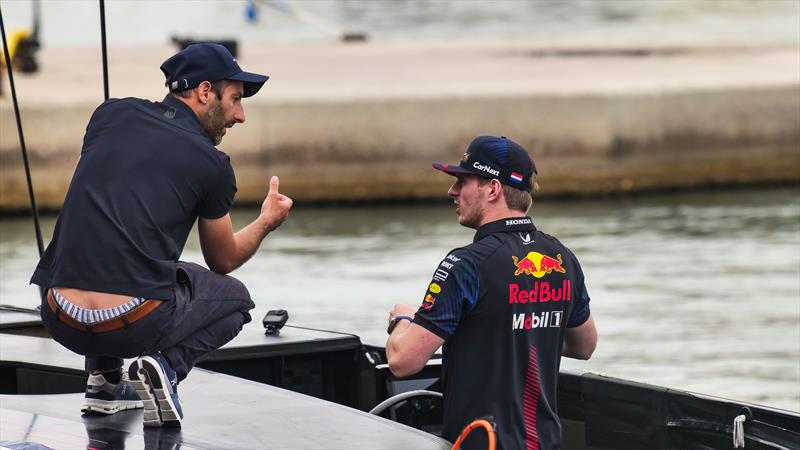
(502, 305)
(147, 170)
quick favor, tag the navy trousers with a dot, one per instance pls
(207, 311)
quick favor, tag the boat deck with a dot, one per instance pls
(222, 411)
(250, 394)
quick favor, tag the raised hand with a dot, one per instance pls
(276, 206)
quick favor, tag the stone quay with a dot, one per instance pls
(362, 122)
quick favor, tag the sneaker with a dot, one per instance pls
(157, 386)
(105, 397)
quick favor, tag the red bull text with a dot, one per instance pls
(540, 293)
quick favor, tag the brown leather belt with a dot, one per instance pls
(145, 308)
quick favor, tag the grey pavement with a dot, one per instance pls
(348, 71)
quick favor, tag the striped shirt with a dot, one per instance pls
(92, 316)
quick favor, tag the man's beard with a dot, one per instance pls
(472, 217)
(214, 122)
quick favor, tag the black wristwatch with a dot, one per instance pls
(395, 319)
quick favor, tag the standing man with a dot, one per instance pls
(115, 287)
(506, 307)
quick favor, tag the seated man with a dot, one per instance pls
(506, 307)
(115, 287)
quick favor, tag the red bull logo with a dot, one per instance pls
(428, 302)
(538, 265)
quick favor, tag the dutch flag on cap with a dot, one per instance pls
(516, 177)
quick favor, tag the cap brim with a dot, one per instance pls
(453, 169)
(252, 82)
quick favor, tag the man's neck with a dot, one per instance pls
(191, 103)
(500, 213)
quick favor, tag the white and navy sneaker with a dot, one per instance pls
(105, 397)
(157, 386)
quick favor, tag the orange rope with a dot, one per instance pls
(475, 424)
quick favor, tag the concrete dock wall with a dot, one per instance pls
(586, 140)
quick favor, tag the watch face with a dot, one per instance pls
(392, 324)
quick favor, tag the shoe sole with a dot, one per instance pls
(91, 405)
(159, 410)
(139, 381)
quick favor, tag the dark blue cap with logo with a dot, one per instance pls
(207, 62)
(495, 157)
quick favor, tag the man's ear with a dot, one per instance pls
(495, 189)
(204, 92)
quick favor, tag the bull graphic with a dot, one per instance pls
(538, 265)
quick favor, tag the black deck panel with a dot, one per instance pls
(28, 323)
(38, 352)
(221, 412)
(12, 318)
(251, 342)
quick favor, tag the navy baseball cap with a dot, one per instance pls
(495, 157)
(207, 62)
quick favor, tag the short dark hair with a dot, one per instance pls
(216, 86)
(517, 199)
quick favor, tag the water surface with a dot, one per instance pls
(699, 291)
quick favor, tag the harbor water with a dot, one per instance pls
(694, 290)
(697, 291)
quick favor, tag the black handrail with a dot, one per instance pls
(103, 46)
(34, 209)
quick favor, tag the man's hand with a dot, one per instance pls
(225, 250)
(276, 206)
